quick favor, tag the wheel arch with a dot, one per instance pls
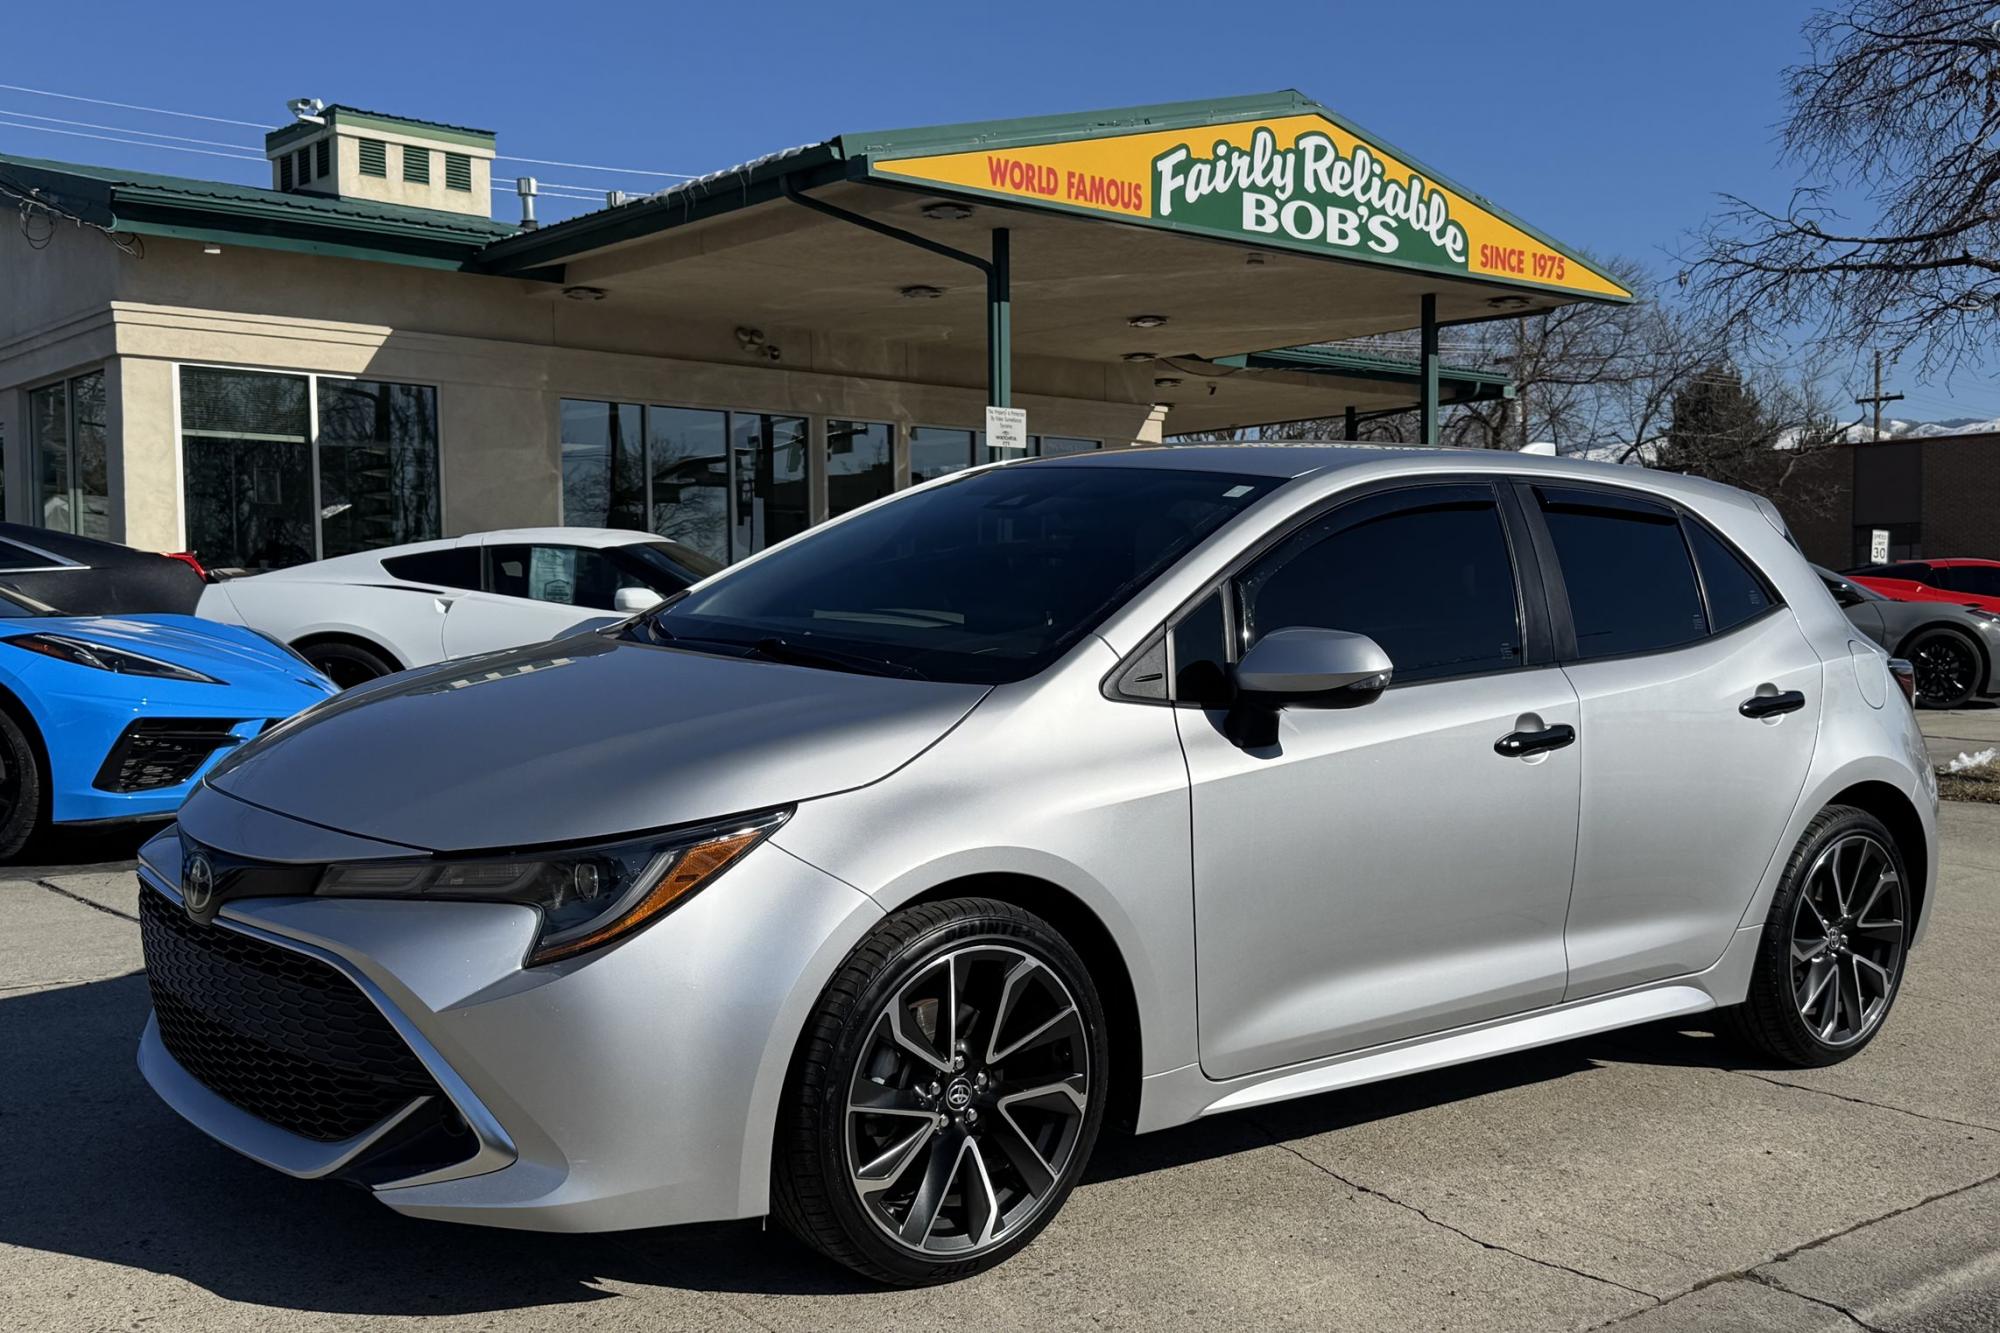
(352, 638)
(17, 708)
(1978, 649)
(1899, 815)
(1086, 932)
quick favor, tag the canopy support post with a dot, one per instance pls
(1353, 424)
(1000, 323)
(1427, 409)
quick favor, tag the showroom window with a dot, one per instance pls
(283, 469)
(1631, 585)
(725, 483)
(860, 464)
(688, 459)
(937, 452)
(378, 464)
(603, 465)
(1039, 446)
(68, 438)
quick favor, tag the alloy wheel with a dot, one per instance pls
(967, 1100)
(1848, 933)
(1945, 668)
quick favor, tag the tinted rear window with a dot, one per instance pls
(1736, 592)
(1631, 584)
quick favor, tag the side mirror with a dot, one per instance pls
(1845, 594)
(634, 600)
(1328, 667)
(1322, 668)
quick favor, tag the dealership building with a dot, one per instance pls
(360, 353)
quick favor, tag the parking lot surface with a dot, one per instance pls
(1649, 1180)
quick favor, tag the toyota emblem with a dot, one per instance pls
(198, 888)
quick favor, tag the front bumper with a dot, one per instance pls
(83, 733)
(637, 1087)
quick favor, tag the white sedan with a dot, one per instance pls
(356, 617)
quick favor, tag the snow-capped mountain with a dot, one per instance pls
(1893, 429)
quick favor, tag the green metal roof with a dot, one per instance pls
(356, 118)
(145, 204)
(857, 156)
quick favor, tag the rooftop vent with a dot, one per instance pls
(341, 152)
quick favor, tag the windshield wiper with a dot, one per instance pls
(774, 649)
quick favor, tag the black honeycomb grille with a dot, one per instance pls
(279, 1034)
(156, 752)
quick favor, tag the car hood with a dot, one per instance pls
(586, 737)
(230, 654)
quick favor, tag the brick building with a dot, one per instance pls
(1937, 497)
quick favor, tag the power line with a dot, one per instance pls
(136, 143)
(258, 125)
(121, 129)
(131, 106)
(585, 166)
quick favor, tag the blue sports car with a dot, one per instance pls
(107, 718)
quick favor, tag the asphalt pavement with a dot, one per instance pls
(1650, 1180)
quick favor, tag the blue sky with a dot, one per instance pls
(1611, 126)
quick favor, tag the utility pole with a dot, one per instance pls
(1520, 389)
(1878, 398)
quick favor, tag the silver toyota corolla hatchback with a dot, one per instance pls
(865, 882)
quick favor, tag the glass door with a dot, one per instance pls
(768, 480)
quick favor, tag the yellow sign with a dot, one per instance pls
(1300, 182)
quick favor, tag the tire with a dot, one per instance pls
(1949, 667)
(23, 787)
(345, 662)
(1835, 944)
(1005, 1132)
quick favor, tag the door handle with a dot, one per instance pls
(1772, 705)
(1518, 744)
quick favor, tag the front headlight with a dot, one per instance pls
(588, 896)
(99, 657)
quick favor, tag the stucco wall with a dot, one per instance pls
(55, 319)
(501, 352)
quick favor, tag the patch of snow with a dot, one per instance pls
(1966, 762)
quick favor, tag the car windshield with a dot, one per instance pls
(985, 579)
(669, 566)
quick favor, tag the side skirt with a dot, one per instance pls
(1184, 1094)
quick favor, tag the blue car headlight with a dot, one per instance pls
(99, 657)
(588, 896)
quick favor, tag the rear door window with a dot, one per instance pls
(1631, 584)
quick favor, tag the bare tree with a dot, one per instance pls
(1761, 431)
(1898, 110)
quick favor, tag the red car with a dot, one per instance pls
(1962, 582)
